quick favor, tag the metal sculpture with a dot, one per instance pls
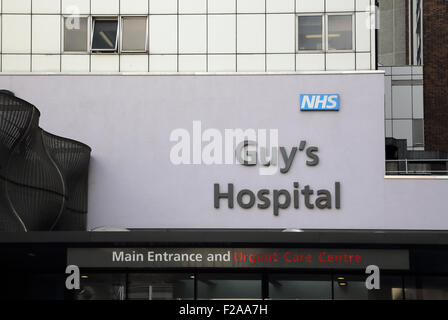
(43, 177)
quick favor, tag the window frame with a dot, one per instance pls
(87, 35)
(92, 32)
(327, 47)
(298, 32)
(146, 35)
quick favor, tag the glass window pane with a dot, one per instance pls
(431, 288)
(417, 132)
(353, 287)
(410, 288)
(310, 32)
(340, 36)
(295, 287)
(229, 286)
(157, 286)
(105, 35)
(75, 34)
(419, 287)
(393, 37)
(134, 34)
(97, 286)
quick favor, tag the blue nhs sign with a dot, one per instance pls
(319, 102)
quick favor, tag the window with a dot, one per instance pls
(340, 32)
(224, 286)
(160, 286)
(418, 132)
(353, 287)
(75, 34)
(105, 34)
(426, 287)
(134, 34)
(338, 35)
(310, 33)
(102, 286)
(298, 287)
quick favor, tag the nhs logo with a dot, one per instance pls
(319, 102)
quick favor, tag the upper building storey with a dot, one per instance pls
(112, 36)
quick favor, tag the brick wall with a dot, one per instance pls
(435, 60)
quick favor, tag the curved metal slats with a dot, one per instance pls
(15, 118)
(43, 177)
(73, 160)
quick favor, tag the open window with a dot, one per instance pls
(105, 34)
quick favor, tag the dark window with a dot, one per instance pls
(102, 286)
(297, 287)
(104, 34)
(158, 286)
(353, 287)
(426, 288)
(229, 286)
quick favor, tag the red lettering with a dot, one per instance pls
(298, 258)
(240, 256)
(321, 259)
(253, 259)
(339, 258)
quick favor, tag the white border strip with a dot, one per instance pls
(293, 73)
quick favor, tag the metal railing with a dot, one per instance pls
(417, 167)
